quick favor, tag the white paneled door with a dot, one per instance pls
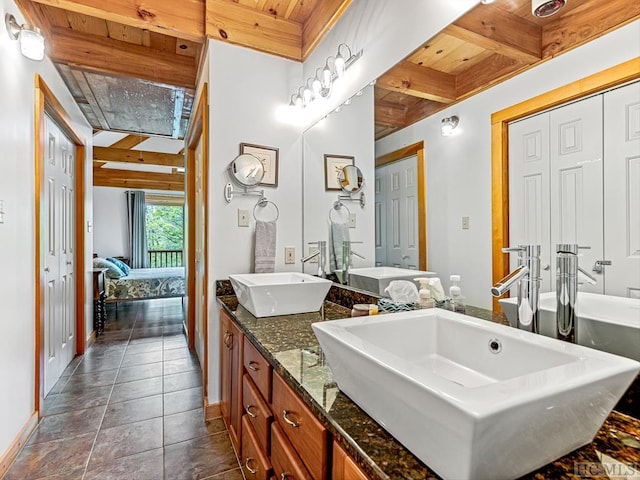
(622, 191)
(200, 307)
(59, 249)
(396, 214)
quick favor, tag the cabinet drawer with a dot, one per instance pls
(344, 467)
(284, 458)
(307, 435)
(255, 463)
(258, 369)
(257, 411)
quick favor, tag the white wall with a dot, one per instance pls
(110, 222)
(348, 132)
(17, 244)
(245, 90)
(459, 167)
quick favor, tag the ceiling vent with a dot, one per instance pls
(546, 8)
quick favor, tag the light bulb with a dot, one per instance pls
(298, 101)
(339, 63)
(31, 43)
(316, 86)
(306, 96)
(326, 76)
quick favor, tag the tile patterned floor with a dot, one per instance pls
(130, 409)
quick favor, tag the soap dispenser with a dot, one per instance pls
(455, 293)
(425, 293)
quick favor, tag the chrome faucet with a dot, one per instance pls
(527, 275)
(346, 259)
(322, 258)
(567, 290)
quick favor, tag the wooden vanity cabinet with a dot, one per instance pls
(255, 463)
(284, 459)
(232, 341)
(344, 467)
(258, 369)
(257, 412)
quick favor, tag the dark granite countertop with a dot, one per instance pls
(289, 344)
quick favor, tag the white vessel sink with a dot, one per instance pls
(376, 279)
(605, 322)
(271, 294)
(470, 398)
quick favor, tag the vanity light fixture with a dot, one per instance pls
(448, 125)
(31, 39)
(320, 86)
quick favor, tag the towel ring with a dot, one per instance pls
(263, 202)
(337, 206)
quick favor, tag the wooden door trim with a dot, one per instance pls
(609, 78)
(46, 102)
(198, 132)
(416, 149)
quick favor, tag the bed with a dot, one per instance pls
(145, 284)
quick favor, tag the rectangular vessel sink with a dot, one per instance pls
(605, 322)
(271, 294)
(470, 398)
(376, 279)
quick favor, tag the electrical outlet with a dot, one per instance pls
(289, 255)
(313, 250)
(465, 223)
(352, 220)
(243, 218)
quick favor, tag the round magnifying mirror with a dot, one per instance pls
(247, 170)
(351, 179)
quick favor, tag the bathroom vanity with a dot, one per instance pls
(286, 413)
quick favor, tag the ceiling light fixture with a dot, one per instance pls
(448, 125)
(321, 85)
(546, 8)
(31, 39)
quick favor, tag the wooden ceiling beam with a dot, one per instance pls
(418, 81)
(241, 25)
(129, 141)
(109, 177)
(422, 109)
(322, 18)
(389, 114)
(106, 55)
(492, 28)
(139, 157)
(183, 19)
(585, 22)
(483, 75)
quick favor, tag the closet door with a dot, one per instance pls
(576, 182)
(529, 191)
(622, 191)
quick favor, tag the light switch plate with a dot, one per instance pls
(352, 220)
(289, 255)
(465, 223)
(243, 218)
(313, 250)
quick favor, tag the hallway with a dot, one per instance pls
(130, 408)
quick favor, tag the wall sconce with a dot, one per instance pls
(448, 125)
(31, 39)
(320, 86)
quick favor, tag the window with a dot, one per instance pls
(165, 231)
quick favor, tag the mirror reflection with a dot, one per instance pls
(351, 179)
(246, 170)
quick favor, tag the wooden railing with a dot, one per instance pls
(164, 258)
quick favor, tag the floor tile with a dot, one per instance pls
(59, 385)
(182, 400)
(141, 466)
(176, 353)
(136, 389)
(71, 424)
(229, 475)
(145, 347)
(182, 381)
(90, 364)
(82, 381)
(199, 458)
(77, 400)
(189, 425)
(180, 365)
(125, 440)
(51, 458)
(130, 411)
(131, 359)
(139, 372)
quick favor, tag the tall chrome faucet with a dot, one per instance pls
(322, 257)
(346, 259)
(527, 275)
(567, 290)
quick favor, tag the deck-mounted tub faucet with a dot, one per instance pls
(567, 289)
(527, 275)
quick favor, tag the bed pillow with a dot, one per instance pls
(113, 271)
(121, 265)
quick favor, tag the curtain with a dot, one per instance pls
(137, 229)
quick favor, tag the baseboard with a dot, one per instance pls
(91, 339)
(211, 410)
(12, 452)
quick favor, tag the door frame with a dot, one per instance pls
(416, 149)
(608, 78)
(47, 103)
(198, 132)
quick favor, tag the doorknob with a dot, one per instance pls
(47, 269)
(597, 267)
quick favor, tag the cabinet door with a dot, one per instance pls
(257, 411)
(255, 464)
(231, 377)
(344, 467)
(258, 369)
(284, 459)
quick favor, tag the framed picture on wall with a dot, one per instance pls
(333, 164)
(269, 158)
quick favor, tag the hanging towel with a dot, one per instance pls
(339, 234)
(265, 253)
